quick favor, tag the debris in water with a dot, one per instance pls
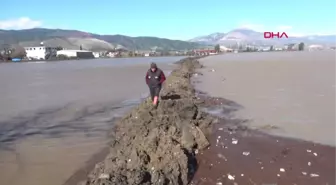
(220, 129)
(262, 168)
(222, 157)
(309, 163)
(308, 151)
(196, 151)
(129, 160)
(242, 175)
(282, 169)
(234, 141)
(231, 177)
(219, 183)
(246, 153)
(278, 175)
(212, 70)
(315, 154)
(304, 173)
(314, 175)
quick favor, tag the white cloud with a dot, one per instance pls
(19, 23)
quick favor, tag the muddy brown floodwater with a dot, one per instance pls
(240, 156)
(275, 119)
(55, 116)
(291, 91)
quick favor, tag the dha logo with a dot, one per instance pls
(271, 35)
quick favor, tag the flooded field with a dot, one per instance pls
(289, 94)
(55, 116)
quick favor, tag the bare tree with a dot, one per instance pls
(18, 52)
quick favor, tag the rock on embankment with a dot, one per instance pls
(158, 146)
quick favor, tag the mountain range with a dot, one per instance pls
(73, 39)
(249, 36)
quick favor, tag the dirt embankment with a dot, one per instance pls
(158, 146)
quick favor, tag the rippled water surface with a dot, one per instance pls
(55, 116)
(291, 91)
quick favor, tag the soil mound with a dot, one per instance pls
(158, 145)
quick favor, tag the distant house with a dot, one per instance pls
(205, 52)
(264, 48)
(277, 48)
(315, 47)
(96, 54)
(146, 53)
(76, 53)
(291, 47)
(38, 52)
(225, 49)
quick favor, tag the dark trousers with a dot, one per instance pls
(154, 91)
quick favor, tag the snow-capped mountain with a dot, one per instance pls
(249, 36)
(208, 38)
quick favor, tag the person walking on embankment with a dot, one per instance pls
(154, 79)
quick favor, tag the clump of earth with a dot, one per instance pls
(158, 145)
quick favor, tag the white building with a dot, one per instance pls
(68, 53)
(38, 52)
(96, 54)
(76, 53)
(225, 49)
(315, 47)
